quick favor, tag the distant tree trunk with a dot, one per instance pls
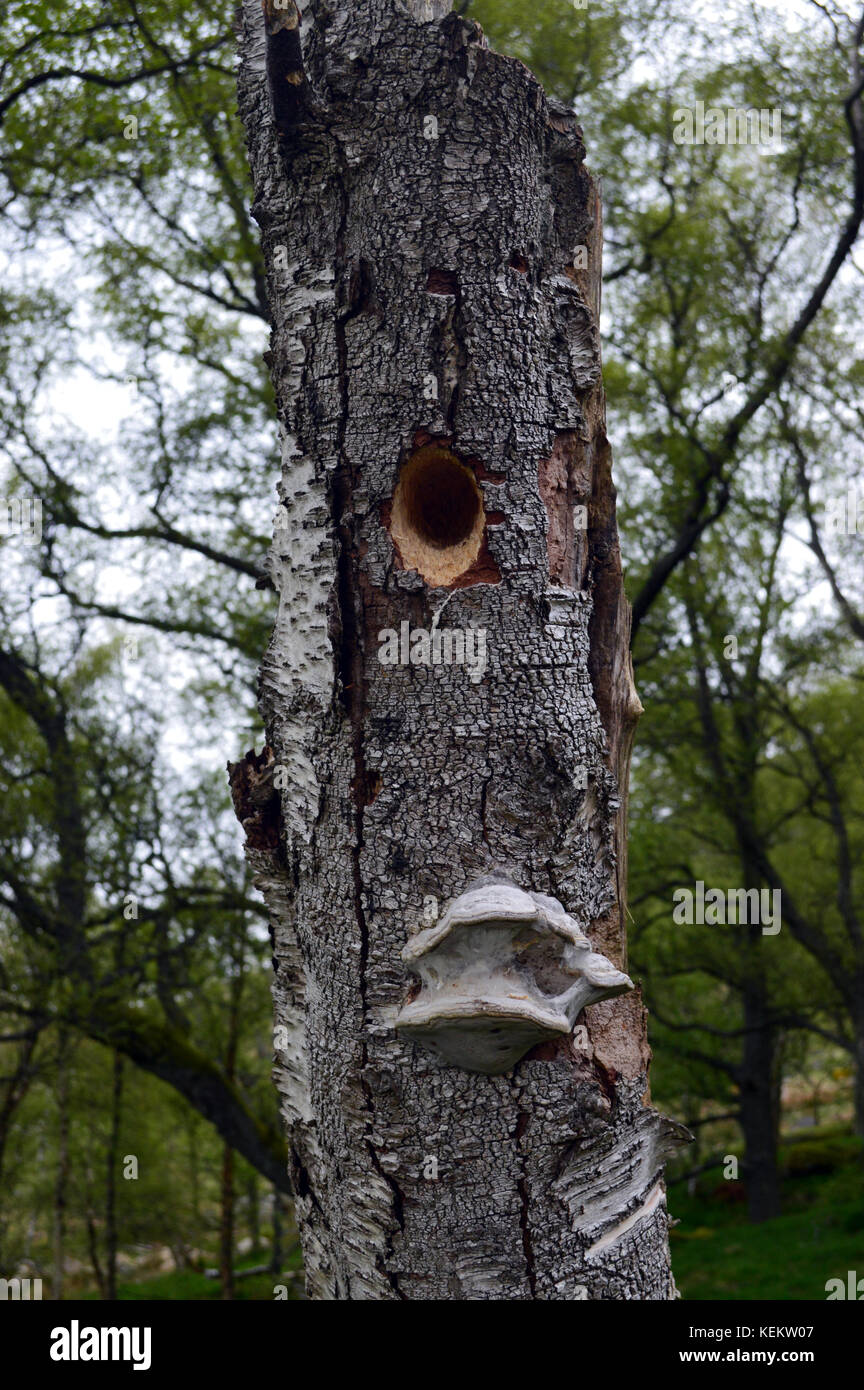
(93, 1247)
(254, 1213)
(858, 1059)
(226, 1224)
(433, 244)
(61, 1180)
(759, 1073)
(15, 1088)
(227, 1197)
(276, 1246)
(112, 1159)
(759, 1109)
(194, 1171)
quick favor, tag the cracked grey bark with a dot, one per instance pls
(423, 293)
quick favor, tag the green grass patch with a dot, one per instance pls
(718, 1254)
(187, 1286)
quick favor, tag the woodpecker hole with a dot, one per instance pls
(437, 520)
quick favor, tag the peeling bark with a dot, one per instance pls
(420, 203)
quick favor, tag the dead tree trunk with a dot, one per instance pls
(437, 822)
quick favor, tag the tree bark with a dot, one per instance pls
(436, 363)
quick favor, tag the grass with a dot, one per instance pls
(185, 1286)
(717, 1254)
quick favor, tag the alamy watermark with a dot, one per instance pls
(20, 1290)
(21, 516)
(420, 646)
(737, 907)
(728, 125)
(852, 1287)
(77, 1343)
(845, 515)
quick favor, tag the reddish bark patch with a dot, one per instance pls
(518, 262)
(484, 569)
(607, 1077)
(548, 1051)
(484, 474)
(442, 281)
(563, 488)
(422, 437)
(366, 787)
(617, 1035)
(256, 801)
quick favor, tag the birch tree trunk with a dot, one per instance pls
(432, 241)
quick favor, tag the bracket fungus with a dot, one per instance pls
(501, 971)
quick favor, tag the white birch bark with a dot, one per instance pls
(420, 201)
